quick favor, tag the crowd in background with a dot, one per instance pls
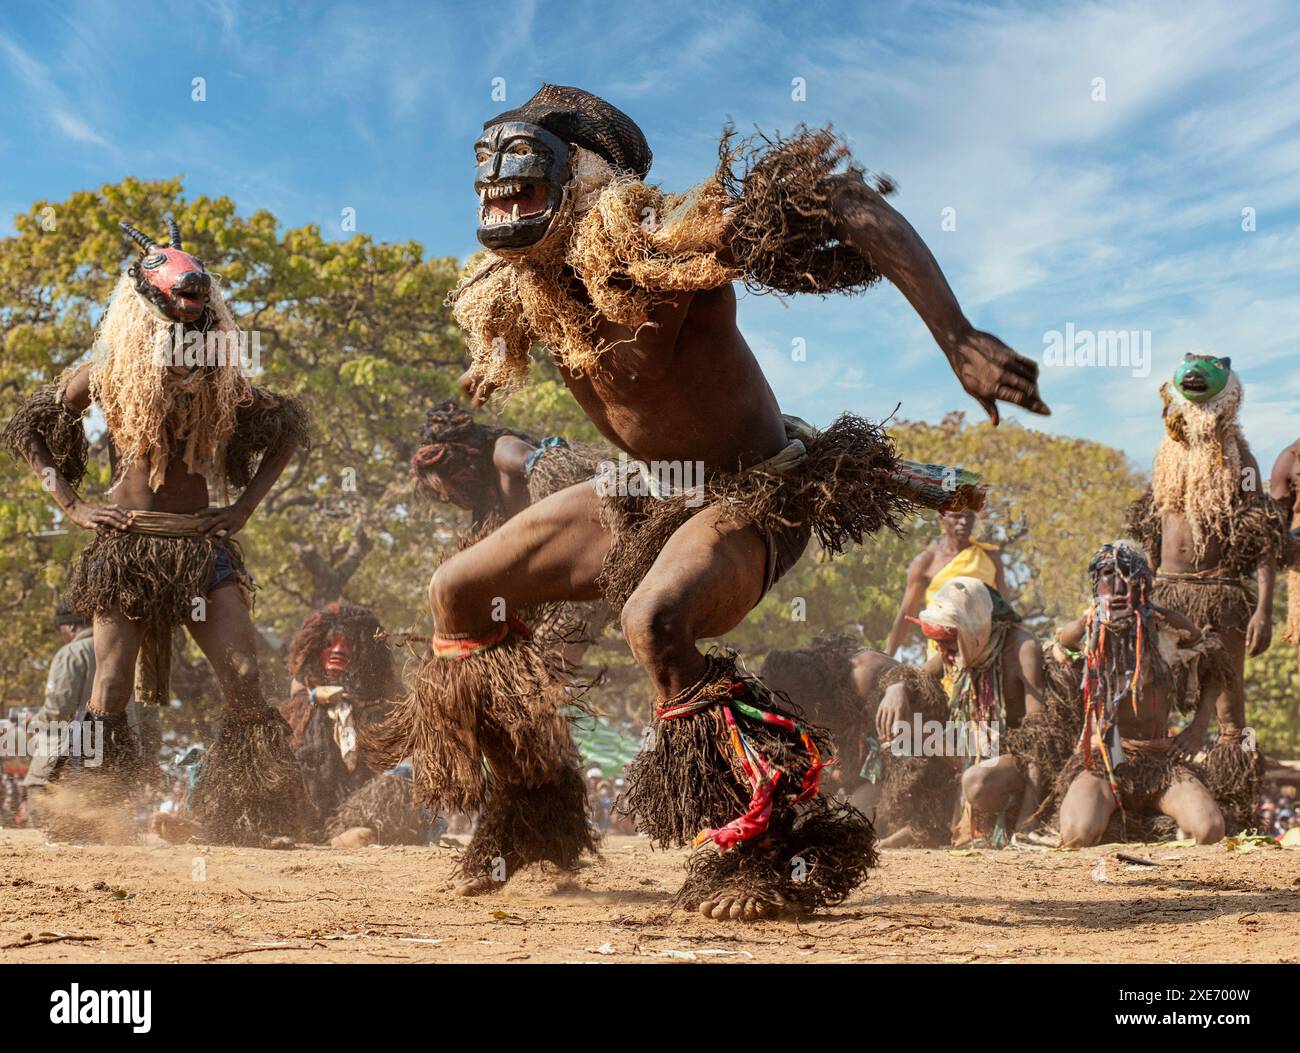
(1278, 809)
(601, 793)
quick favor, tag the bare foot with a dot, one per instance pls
(904, 838)
(354, 837)
(477, 886)
(175, 830)
(745, 906)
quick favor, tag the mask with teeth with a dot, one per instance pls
(1200, 378)
(522, 170)
(174, 283)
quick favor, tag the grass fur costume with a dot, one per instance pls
(1198, 474)
(162, 404)
(345, 679)
(575, 234)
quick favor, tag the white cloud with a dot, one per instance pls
(75, 128)
(1117, 214)
(46, 92)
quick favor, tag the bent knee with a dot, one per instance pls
(453, 596)
(652, 623)
(988, 788)
(1206, 828)
(441, 589)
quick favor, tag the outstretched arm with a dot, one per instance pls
(988, 369)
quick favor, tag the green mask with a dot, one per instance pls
(1199, 378)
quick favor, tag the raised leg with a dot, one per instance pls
(707, 578)
(704, 581)
(501, 700)
(551, 551)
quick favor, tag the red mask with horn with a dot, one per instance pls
(176, 283)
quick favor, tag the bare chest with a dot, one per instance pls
(683, 387)
(1178, 548)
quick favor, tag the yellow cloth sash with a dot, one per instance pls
(973, 561)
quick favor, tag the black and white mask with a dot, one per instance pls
(521, 173)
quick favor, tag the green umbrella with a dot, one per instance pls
(603, 745)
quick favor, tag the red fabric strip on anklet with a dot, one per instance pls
(464, 646)
(460, 646)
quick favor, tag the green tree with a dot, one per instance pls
(357, 329)
(1051, 502)
(1273, 691)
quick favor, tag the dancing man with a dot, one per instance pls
(166, 374)
(1207, 526)
(630, 289)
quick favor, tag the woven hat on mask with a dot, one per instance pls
(586, 120)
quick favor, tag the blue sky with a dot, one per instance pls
(1115, 213)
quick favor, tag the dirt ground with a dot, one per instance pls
(158, 902)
